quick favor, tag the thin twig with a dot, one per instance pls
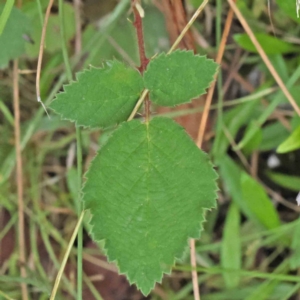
(78, 48)
(121, 51)
(138, 24)
(66, 256)
(40, 58)
(276, 196)
(178, 40)
(196, 288)
(202, 130)
(21, 223)
(188, 25)
(270, 18)
(138, 104)
(264, 56)
(239, 153)
(211, 89)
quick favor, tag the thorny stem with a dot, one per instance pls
(138, 24)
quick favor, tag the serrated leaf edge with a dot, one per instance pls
(105, 65)
(176, 255)
(192, 54)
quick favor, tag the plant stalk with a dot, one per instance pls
(138, 24)
(79, 144)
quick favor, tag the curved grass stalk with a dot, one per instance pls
(66, 256)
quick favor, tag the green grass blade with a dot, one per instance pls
(5, 14)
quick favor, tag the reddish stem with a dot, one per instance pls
(138, 24)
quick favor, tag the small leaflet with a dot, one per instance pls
(178, 77)
(100, 97)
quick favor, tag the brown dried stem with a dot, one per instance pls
(201, 135)
(19, 179)
(41, 51)
(138, 24)
(212, 88)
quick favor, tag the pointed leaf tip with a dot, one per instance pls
(147, 189)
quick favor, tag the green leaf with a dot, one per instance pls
(287, 181)
(178, 77)
(259, 202)
(12, 39)
(291, 143)
(272, 135)
(289, 7)
(255, 141)
(270, 44)
(234, 119)
(6, 13)
(147, 190)
(295, 256)
(231, 173)
(248, 194)
(231, 247)
(100, 97)
(52, 39)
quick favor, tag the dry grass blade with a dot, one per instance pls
(204, 121)
(212, 88)
(264, 57)
(188, 26)
(63, 264)
(40, 58)
(21, 235)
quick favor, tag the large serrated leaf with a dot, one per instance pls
(100, 97)
(12, 39)
(178, 77)
(147, 190)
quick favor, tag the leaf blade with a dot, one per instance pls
(100, 97)
(174, 78)
(259, 202)
(270, 44)
(291, 143)
(16, 26)
(231, 246)
(153, 209)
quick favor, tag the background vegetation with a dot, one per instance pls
(249, 248)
